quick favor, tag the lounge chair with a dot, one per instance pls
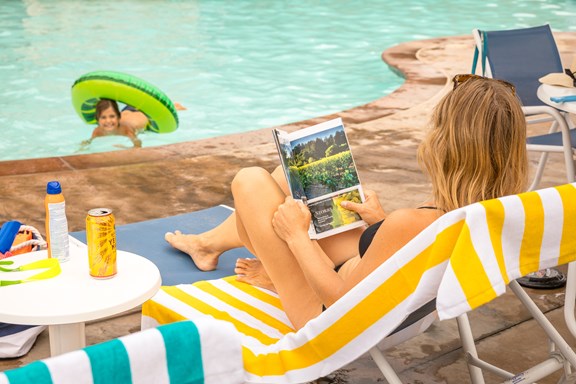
(521, 57)
(463, 260)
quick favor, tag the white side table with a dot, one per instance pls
(546, 91)
(67, 301)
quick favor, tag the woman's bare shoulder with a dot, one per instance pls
(411, 221)
(417, 214)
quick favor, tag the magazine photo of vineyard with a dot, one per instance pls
(324, 163)
(328, 214)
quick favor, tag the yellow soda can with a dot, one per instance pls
(101, 239)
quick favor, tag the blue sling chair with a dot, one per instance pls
(521, 57)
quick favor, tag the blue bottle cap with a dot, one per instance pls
(53, 188)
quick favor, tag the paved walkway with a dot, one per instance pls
(141, 184)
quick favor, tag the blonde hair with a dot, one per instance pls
(476, 148)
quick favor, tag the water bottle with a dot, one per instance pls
(56, 223)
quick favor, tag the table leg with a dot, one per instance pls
(66, 338)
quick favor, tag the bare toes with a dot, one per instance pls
(251, 271)
(169, 236)
(205, 258)
(242, 279)
(242, 263)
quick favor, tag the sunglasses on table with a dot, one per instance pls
(462, 78)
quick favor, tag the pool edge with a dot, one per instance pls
(401, 57)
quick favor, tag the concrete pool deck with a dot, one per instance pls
(147, 183)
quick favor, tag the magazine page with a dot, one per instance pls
(329, 218)
(282, 141)
(319, 158)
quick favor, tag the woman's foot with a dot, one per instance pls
(251, 271)
(205, 258)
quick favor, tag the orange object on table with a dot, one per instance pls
(20, 238)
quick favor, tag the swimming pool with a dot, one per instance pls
(236, 65)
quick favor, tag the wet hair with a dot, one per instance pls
(476, 148)
(104, 104)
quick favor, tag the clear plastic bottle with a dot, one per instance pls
(56, 222)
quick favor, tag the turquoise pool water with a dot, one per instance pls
(236, 65)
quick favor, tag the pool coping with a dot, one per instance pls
(421, 83)
(413, 60)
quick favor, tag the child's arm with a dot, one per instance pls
(97, 132)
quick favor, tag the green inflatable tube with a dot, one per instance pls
(127, 89)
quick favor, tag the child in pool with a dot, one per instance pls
(130, 122)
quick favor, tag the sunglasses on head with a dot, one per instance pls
(462, 78)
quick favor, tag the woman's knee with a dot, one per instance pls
(249, 179)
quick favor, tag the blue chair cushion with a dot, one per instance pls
(552, 139)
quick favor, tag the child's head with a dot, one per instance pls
(108, 114)
(476, 148)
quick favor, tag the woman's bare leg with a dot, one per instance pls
(339, 248)
(206, 248)
(342, 246)
(256, 197)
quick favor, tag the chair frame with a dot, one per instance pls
(378, 356)
(561, 355)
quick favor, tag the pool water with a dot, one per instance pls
(236, 65)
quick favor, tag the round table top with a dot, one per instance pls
(74, 296)
(545, 91)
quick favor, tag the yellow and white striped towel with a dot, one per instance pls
(464, 259)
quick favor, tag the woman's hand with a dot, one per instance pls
(370, 210)
(292, 220)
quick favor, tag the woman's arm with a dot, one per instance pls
(291, 222)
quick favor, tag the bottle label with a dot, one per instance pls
(58, 228)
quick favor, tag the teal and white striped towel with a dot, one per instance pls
(184, 352)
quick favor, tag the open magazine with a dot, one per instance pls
(321, 172)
